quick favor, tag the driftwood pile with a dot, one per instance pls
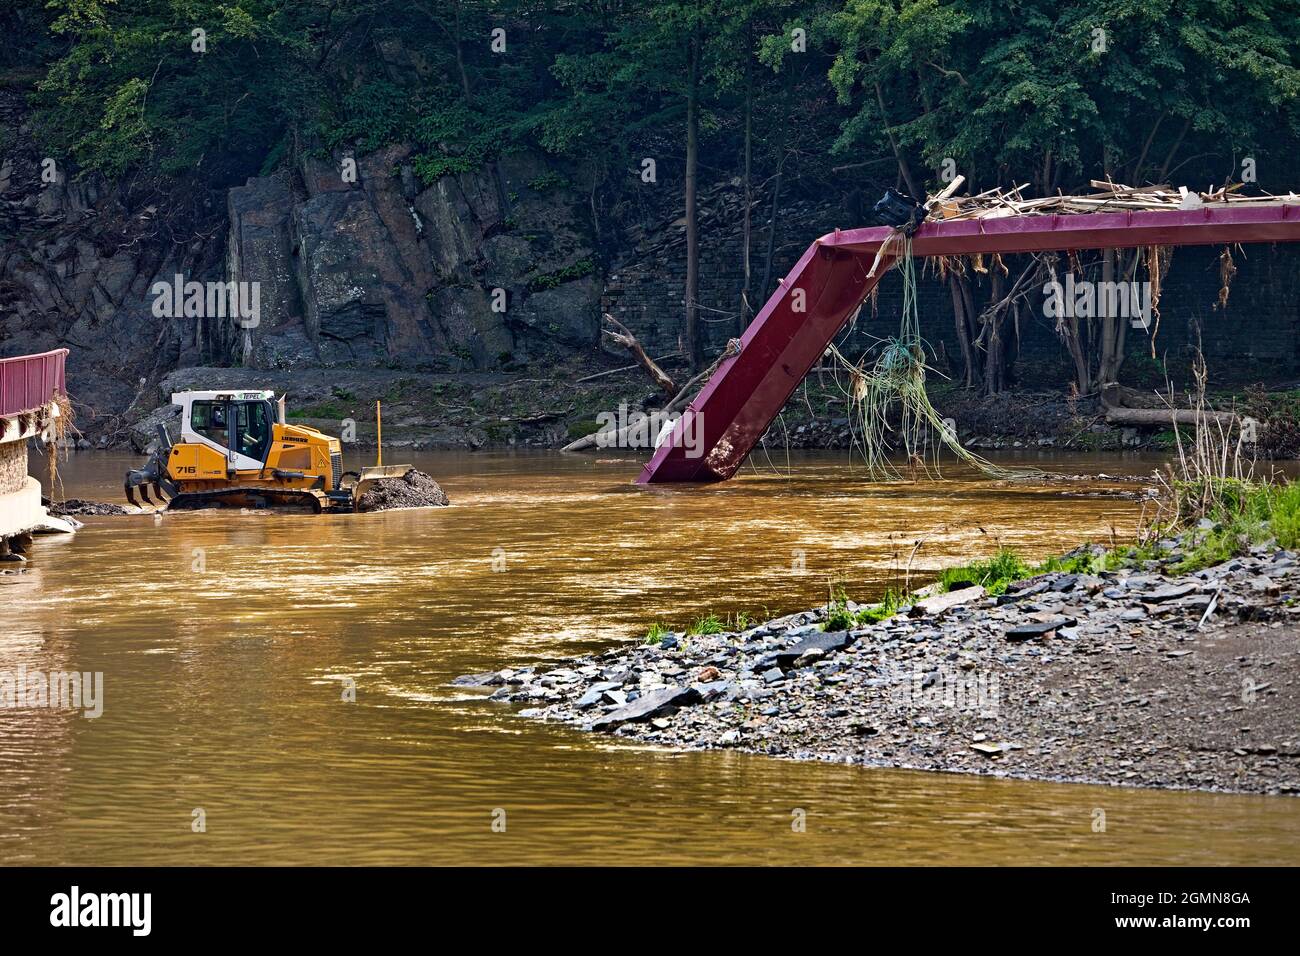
(1109, 197)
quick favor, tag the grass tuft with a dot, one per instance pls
(709, 624)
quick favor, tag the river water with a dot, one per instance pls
(227, 641)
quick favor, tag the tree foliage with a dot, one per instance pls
(1049, 92)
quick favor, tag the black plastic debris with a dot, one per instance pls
(900, 211)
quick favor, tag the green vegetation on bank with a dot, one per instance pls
(635, 106)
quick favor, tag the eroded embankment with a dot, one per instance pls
(1130, 677)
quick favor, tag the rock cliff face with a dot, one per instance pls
(77, 261)
(379, 272)
(479, 271)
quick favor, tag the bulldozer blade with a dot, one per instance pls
(368, 476)
(375, 472)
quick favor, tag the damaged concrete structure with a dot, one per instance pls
(30, 386)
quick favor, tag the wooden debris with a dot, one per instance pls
(1109, 197)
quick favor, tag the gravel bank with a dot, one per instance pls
(1109, 679)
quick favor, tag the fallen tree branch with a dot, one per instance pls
(623, 336)
(1112, 395)
(621, 368)
(1166, 416)
(678, 402)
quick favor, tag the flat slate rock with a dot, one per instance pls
(710, 690)
(1029, 590)
(596, 693)
(647, 706)
(937, 604)
(1031, 630)
(826, 642)
(1169, 592)
(486, 679)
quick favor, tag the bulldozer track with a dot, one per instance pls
(255, 498)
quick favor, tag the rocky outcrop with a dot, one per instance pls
(259, 244)
(78, 259)
(373, 270)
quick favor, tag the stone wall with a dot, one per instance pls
(13, 465)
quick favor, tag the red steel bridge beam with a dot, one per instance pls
(733, 410)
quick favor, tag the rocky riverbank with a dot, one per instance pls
(1137, 676)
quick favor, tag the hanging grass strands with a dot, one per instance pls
(892, 389)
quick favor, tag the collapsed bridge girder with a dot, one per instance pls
(831, 280)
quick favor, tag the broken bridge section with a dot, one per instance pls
(832, 279)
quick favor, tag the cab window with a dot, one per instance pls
(209, 420)
(252, 428)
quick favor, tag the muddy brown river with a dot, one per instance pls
(227, 642)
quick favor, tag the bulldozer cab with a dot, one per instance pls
(239, 425)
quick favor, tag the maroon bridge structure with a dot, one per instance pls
(749, 389)
(29, 381)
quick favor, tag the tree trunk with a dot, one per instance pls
(1163, 417)
(1079, 355)
(963, 328)
(904, 169)
(745, 311)
(766, 288)
(994, 353)
(1112, 329)
(771, 229)
(694, 347)
(972, 327)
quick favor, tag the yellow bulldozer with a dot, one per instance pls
(236, 450)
